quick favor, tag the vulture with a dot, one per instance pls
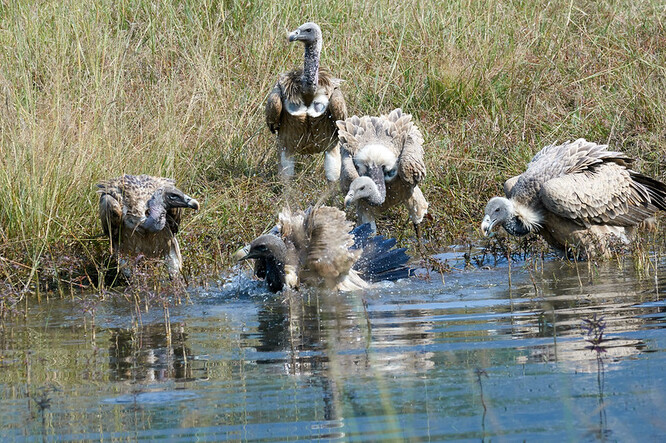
(580, 197)
(141, 215)
(382, 165)
(304, 105)
(318, 247)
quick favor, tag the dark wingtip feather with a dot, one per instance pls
(655, 188)
(379, 260)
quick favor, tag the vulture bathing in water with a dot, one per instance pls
(141, 215)
(382, 165)
(318, 247)
(580, 197)
(303, 107)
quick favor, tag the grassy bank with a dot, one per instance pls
(91, 90)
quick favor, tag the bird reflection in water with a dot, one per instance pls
(145, 354)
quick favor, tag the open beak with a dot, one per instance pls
(487, 225)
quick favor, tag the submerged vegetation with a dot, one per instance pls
(92, 90)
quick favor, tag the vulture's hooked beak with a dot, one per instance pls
(487, 225)
(243, 253)
(349, 198)
(293, 36)
(192, 203)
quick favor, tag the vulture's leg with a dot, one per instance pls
(417, 229)
(332, 165)
(287, 165)
(174, 260)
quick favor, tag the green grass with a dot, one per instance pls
(91, 90)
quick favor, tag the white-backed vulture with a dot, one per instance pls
(581, 197)
(382, 165)
(303, 106)
(318, 247)
(141, 215)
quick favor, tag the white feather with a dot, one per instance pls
(529, 217)
(378, 155)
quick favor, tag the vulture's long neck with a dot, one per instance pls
(515, 226)
(377, 175)
(310, 79)
(275, 273)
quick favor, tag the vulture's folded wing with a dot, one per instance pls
(110, 214)
(508, 185)
(606, 195)
(411, 167)
(273, 108)
(336, 105)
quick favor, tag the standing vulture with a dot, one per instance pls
(303, 107)
(141, 215)
(318, 247)
(382, 165)
(579, 196)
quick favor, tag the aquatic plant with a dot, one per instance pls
(593, 328)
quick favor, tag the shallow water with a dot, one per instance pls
(467, 359)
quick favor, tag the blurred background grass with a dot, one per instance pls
(95, 89)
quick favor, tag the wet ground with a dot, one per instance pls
(567, 352)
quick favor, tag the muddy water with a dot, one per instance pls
(567, 352)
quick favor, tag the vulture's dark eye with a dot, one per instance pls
(147, 214)
(497, 209)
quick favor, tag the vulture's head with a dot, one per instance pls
(515, 219)
(309, 33)
(161, 201)
(365, 188)
(268, 247)
(498, 210)
(376, 165)
(270, 254)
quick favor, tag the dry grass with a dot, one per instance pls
(90, 90)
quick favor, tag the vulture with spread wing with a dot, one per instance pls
(303, 107)
(382, 165)
(579, 196)
(318, 247)
(141, 215)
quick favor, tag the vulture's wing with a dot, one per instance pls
(110, 206)
(329, 254)
(508, 185)
(273, 108)
(569, 158)
(411, 167)
(349, 132)
(605, 194)
(336, 105)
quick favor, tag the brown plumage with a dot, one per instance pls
(141, 215)
(303, 106)
(382, 165)
(318, 247)
(579, 196)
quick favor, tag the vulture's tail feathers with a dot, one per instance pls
(380, 259)
(655, 188)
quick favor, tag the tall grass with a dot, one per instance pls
(95, 89)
